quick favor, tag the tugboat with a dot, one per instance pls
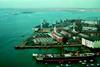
(64, 58)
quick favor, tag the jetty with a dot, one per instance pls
(24, 45)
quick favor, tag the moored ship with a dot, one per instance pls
(64, 58)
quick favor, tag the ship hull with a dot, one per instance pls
(66, 60)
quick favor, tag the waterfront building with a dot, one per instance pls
(91, 42)
(56, 34)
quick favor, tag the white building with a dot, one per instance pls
(92, 26)
(89, 28)
(90, 43)
(90, 22)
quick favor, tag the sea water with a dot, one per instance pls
(16, 26)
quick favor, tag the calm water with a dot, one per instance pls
(14, 24)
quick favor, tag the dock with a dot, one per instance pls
(40, 47)
(26, 46)
(42, 43)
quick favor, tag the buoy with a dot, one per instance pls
(91, 60)
(67, 65)
(87, 65)
(46, 63)
(57, 66)
(85, 61)
(61, 64)
(98, 64)
(80, 61)
(92, 64)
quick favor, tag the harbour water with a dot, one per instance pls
(16, 25)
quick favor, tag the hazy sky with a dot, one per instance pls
(49, 3)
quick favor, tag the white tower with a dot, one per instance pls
(74, 27)
(55, 29)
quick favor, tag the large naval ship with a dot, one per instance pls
(64, 58)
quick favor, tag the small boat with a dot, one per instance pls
(63, 58)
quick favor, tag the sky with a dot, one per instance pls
(49, 3)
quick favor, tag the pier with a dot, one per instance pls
(25, 45)
(33, 47)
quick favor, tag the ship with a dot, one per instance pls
(64, 58)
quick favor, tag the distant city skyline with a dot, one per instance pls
(49, 3)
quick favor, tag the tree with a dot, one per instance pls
(78, 25)
(98, 25)
(45, 24)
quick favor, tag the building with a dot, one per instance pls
(56, 34)
(91, 42)
(89, 25)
